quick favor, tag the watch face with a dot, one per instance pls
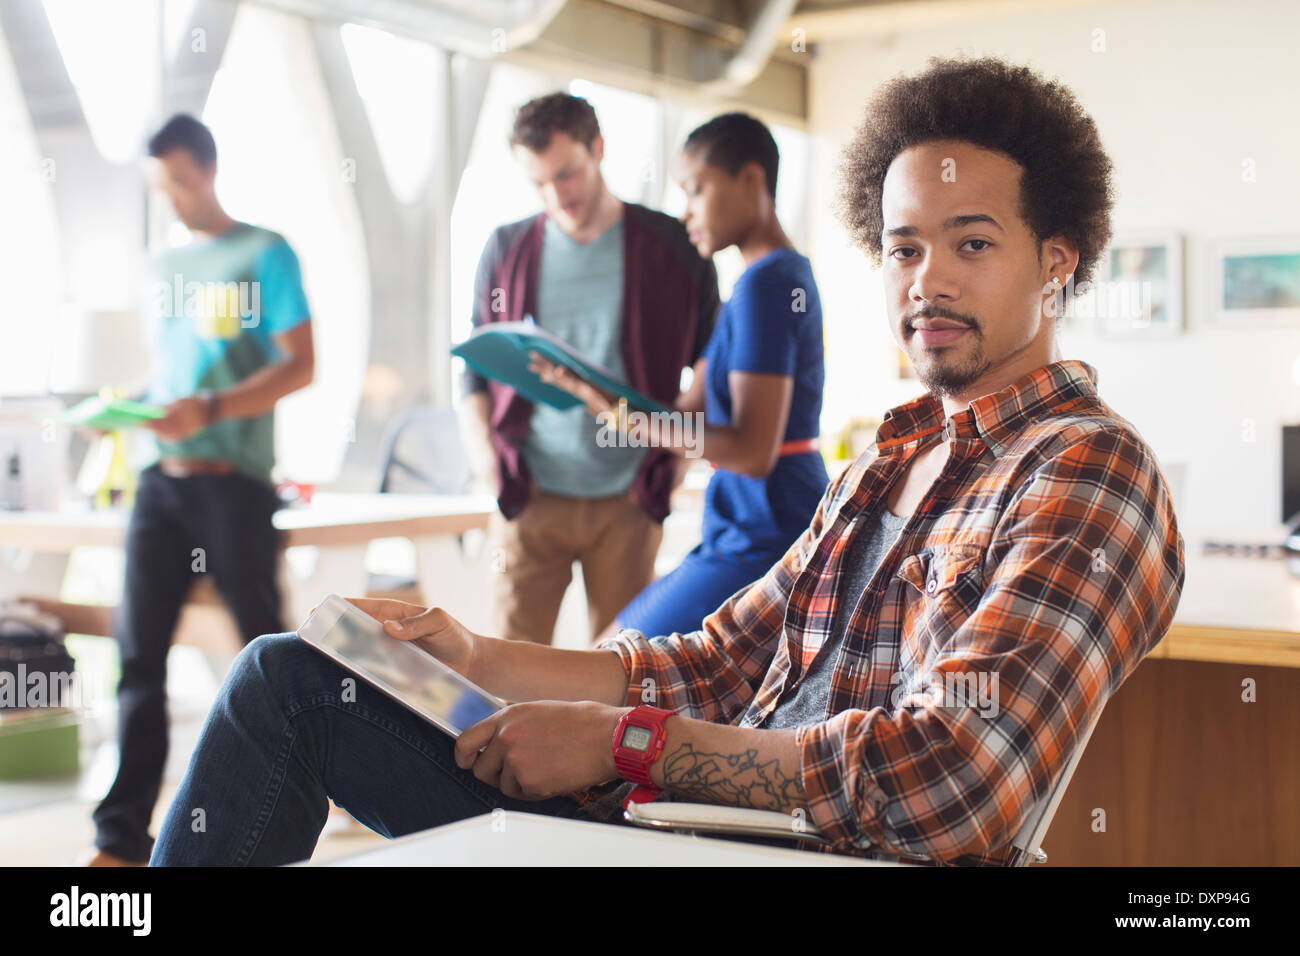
(636, 738)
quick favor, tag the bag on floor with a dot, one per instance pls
(31, 644)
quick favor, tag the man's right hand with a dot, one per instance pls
(431, 627)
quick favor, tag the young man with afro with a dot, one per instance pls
(916, 671)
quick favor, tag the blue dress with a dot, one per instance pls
(772, 323)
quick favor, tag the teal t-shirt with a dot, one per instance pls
(580, 299)
(218, 305)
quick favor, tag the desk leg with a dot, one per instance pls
(453, 579)
(306, 579)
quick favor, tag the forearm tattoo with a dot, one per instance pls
(738, 779)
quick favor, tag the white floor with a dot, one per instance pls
(47, 822)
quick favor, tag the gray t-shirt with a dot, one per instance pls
(867, 549)
(580, 299)
(808, 705)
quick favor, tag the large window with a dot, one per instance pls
(29, 244)
(397, 79)
(492, 189)
(280, 165)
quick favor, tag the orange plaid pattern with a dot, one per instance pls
(1042, 565)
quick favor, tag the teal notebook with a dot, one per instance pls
(110, 415)
(500, 350)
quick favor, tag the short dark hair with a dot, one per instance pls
(731, 140)
(1065, 186)
(183, 131)
(541, 118)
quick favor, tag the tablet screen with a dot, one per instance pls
(402, 669)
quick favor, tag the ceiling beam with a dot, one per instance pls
(479, 28)
(649, 46)
(821, 23)
(609, 43)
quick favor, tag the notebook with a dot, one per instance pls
(500, 350)
(110, 414)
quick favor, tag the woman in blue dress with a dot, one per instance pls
(758, 384)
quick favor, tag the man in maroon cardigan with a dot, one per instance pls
(623, 285)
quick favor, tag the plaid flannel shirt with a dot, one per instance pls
(1041, 566)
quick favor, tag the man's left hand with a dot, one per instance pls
(541, 749)
(182, 418)
(598, 402)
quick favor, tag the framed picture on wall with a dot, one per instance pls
(1256, 282)
(1138, 287)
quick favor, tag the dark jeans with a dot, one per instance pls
(281, 739)
(229, 518)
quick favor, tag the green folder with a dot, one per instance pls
(110, 414)
(500, 350)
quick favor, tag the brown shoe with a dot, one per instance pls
(97, 857)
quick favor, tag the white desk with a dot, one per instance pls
(338, 525)
(331, 519)
(508, 838)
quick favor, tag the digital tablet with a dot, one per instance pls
(403, 670)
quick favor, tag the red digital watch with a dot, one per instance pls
(638, 741)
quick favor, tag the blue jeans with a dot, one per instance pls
(280, 739)
(229, 516)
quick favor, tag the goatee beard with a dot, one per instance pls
(946, 379)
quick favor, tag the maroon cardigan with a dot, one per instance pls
(670, 303)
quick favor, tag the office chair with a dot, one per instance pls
(421, 453)
(744, 822)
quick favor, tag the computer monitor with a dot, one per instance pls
(1290, 471)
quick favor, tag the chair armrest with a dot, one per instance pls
(712, 818)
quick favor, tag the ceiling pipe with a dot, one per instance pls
(744, 66)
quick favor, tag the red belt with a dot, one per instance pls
(799, 446)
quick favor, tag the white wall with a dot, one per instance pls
(1184, 92)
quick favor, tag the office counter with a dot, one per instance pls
(1184, 768)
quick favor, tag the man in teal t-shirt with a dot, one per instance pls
(234, 338)
(222, 303)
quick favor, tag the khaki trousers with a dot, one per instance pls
(532, 560)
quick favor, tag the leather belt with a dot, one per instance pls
(799, 446)
(189, 467)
